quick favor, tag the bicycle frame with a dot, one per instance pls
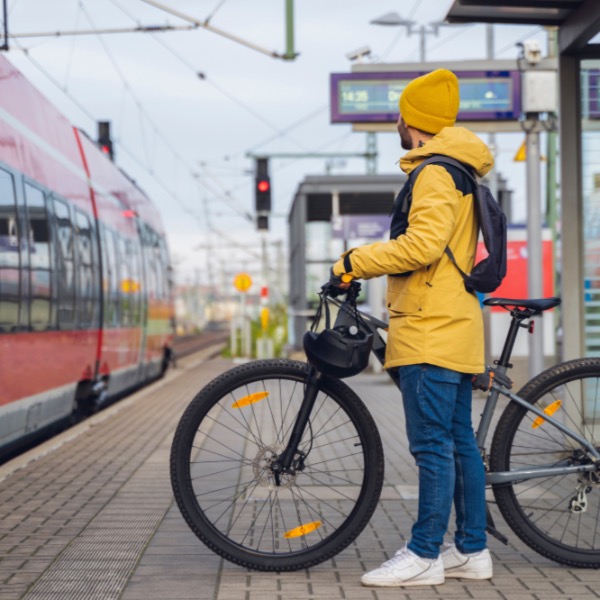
(492, 478)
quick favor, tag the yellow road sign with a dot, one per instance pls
(521, 154)
(242, 282)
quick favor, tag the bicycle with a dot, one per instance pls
(277, 467)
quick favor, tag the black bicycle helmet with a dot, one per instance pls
(338, 352)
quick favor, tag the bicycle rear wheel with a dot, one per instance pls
(226, 491)
(557, 516)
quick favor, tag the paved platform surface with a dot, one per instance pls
(90, 515)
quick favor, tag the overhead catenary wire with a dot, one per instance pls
(72, 51)
(92, 118)
(143, 113)
(522, 38)
(206, 25)
(146, 164)
(204, 77)
(213, 12)
(397, 37)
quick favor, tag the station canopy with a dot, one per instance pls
(578, 20)
(538, 12)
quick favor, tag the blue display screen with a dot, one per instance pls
(373, 97)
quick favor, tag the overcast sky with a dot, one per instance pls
(187, 106)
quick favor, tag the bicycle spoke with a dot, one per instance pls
(230, 488)
(558, 515)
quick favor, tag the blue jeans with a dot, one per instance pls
(437, 405)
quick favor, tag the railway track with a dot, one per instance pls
(188, 344)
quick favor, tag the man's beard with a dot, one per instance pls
(405, 140)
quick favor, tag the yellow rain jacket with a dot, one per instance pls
(433, 319)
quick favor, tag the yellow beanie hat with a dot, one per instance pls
(430, 102)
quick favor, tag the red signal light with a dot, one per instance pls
(263, 185)
(105, 149)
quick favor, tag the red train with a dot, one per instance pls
(86, 308)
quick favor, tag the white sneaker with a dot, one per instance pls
(406, 569)
(467, 566)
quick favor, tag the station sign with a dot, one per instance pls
(358, 227)
(372, 97)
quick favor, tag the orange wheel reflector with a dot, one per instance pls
(251, 399)
(549, 410)
(302, 530)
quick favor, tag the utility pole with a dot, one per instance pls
(4, 45)
(489, 38)
(290, 54)
(539, 96)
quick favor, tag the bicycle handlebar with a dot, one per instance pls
(351, 292)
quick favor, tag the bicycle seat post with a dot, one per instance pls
(502, 365)
(516, 322)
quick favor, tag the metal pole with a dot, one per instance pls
(371, 153)
(534, 246)
(5, 16)
(551, 193)
(290, 54)
(493, 176)
(422, 32)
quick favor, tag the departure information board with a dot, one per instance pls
(369, 97)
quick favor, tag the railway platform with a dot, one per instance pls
(89, 515)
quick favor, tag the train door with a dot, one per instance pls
(148, 299)
(141, 318)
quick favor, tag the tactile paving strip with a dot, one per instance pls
(74, 523)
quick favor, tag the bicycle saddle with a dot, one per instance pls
(538, 305)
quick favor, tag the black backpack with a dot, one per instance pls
(488, 273)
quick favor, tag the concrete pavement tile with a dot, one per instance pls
(174, 570)
(587, 575)
(562, 596)
(571, 589)
(169, 588)
(12, 593)
(194, 550)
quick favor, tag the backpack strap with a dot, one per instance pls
(442, 159)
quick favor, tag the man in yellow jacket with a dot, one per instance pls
(436, 333)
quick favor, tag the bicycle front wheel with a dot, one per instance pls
(557, 516)
(220, 467)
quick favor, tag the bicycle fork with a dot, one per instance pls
(291, 459)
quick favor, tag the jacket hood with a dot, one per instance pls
(456, 142)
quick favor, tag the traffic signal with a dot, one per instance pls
(104, 139)
(262, 186)
(262, 222)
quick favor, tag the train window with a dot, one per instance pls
(125, 283)
(159, 267)
(41, 315)
(152, 268)
(85, 269)
(111, 279)
(136, 280)
(165, 268)
(10, 256)
(65, 265)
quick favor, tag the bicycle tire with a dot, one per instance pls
(546, 513)
(226, 493)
